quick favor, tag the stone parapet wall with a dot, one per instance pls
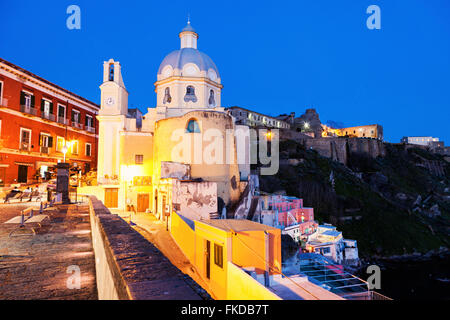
(128, 267)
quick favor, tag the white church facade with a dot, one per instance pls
(161, 161)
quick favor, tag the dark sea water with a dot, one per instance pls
(415, 280)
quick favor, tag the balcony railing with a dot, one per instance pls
(62, 120)
(77, 125)
(3, 102)
(28, 109)
(24, 146)
(45, 149)
(90, 129)
(48, 116)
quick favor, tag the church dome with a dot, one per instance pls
(188, 54)
(179, 58)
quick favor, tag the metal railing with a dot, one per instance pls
(48, 116)
(77, 125)
(28, 109)
(90, 129)
(61, 120)
(4, 102)
(24, 146)
(45, 149)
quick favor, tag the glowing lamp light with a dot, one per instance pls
(128, 172)
(306, 125)
(64, 151)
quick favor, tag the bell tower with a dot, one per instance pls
(114, 95)
(111, 119)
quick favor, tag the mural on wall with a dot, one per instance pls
(175, 170)
(195, 200)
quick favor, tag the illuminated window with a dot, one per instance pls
(75, 147)
(218, 255)
(192, 127)
(59, 143)
(139, 159)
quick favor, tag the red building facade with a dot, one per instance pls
(40, 125)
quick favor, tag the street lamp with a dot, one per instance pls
(64, 151)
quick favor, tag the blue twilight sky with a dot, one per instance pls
(273, 56)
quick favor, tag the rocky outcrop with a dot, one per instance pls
(309, 121)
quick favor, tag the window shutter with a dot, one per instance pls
(51, 107)
(42, 105)
(40, 139)
(22, 98)
(50, 142)
(32, 101)
(73, 116)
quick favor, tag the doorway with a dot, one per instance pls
(143, 202)
(208, 259)
(112, 197)
(22, 174)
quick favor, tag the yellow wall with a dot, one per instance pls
(249, 249)
(223, 174)
(242, 286)
(218, 279)
(183, 235)
(225, 283)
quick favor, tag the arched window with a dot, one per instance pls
(111, 72)
(211, 100)
(190, 94)
(192, 126)
(167, 97)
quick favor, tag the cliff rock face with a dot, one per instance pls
(338, 149)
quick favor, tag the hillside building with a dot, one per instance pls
(374, 131)
(253, 119)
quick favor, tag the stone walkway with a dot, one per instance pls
(36, 267)
(154, 231)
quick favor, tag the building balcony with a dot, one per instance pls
(48, 116)
(3, 102)
(24, 146)
(77, 125)
(62, 120)
(90, 129)
(45, 150)
(28, 110)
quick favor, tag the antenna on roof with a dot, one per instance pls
(189, 19)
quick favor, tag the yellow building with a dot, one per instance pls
(222, 249)
(241, 260)
(374, 131)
